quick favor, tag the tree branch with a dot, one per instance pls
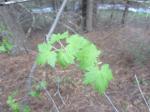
(29, 81)
(142, 93)
(48, 36)
(116, 110)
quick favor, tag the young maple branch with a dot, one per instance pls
(142, 93)
(111, 102)
(29, 82)
(58, 91)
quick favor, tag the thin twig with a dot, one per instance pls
(33, 21)
(142, 93)
(61, 44)
(50, 98)
(55, 48)
(111, 102)
(29, 81)
(48, 36)
(58, 91)
(66, 26)
(48, 94)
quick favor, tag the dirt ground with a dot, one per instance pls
(123, 90)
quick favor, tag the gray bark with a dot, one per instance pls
(84, 10)
(87, 14)
(18, 36)
(89, 18)
(125, 13)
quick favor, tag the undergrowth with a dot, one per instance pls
(80, 52)
(5, 45)
(72, 50)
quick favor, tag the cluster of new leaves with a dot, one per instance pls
(5, 45)
(39, 87)
(76, 50)
(15, 106)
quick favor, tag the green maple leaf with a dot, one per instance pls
(65, 58)
(34, 93)
(5, 46)
(13, 104)
(106, 72)
(2, 49)
(52, 59)
(44, 47)
(42, 85)
(26, 109)
(99, 79)
(70, 50)
(43, 57)
(46, 55)
(87, 56)
(64, 35)
(57, 37)
(81, 50)
(8, 46)
(91, 75)
(77, 42)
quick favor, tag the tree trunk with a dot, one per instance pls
(95, 13)
(84, 9)
(18, 36)
(112, 13)
(89, 16)
(125, 13)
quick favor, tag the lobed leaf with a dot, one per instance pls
(45, 55)
(52, 59)
(87, 56)
(44, 47)
(57, 37)
(77, 42)
(81, 50)
(99, 79)
(2, 49)
(64, 58)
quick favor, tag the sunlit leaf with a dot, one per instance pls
(58, 37)
(87, 56)
(52, 59)
(65, 59)
(99, 78)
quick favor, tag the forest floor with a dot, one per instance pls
(123, 89)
